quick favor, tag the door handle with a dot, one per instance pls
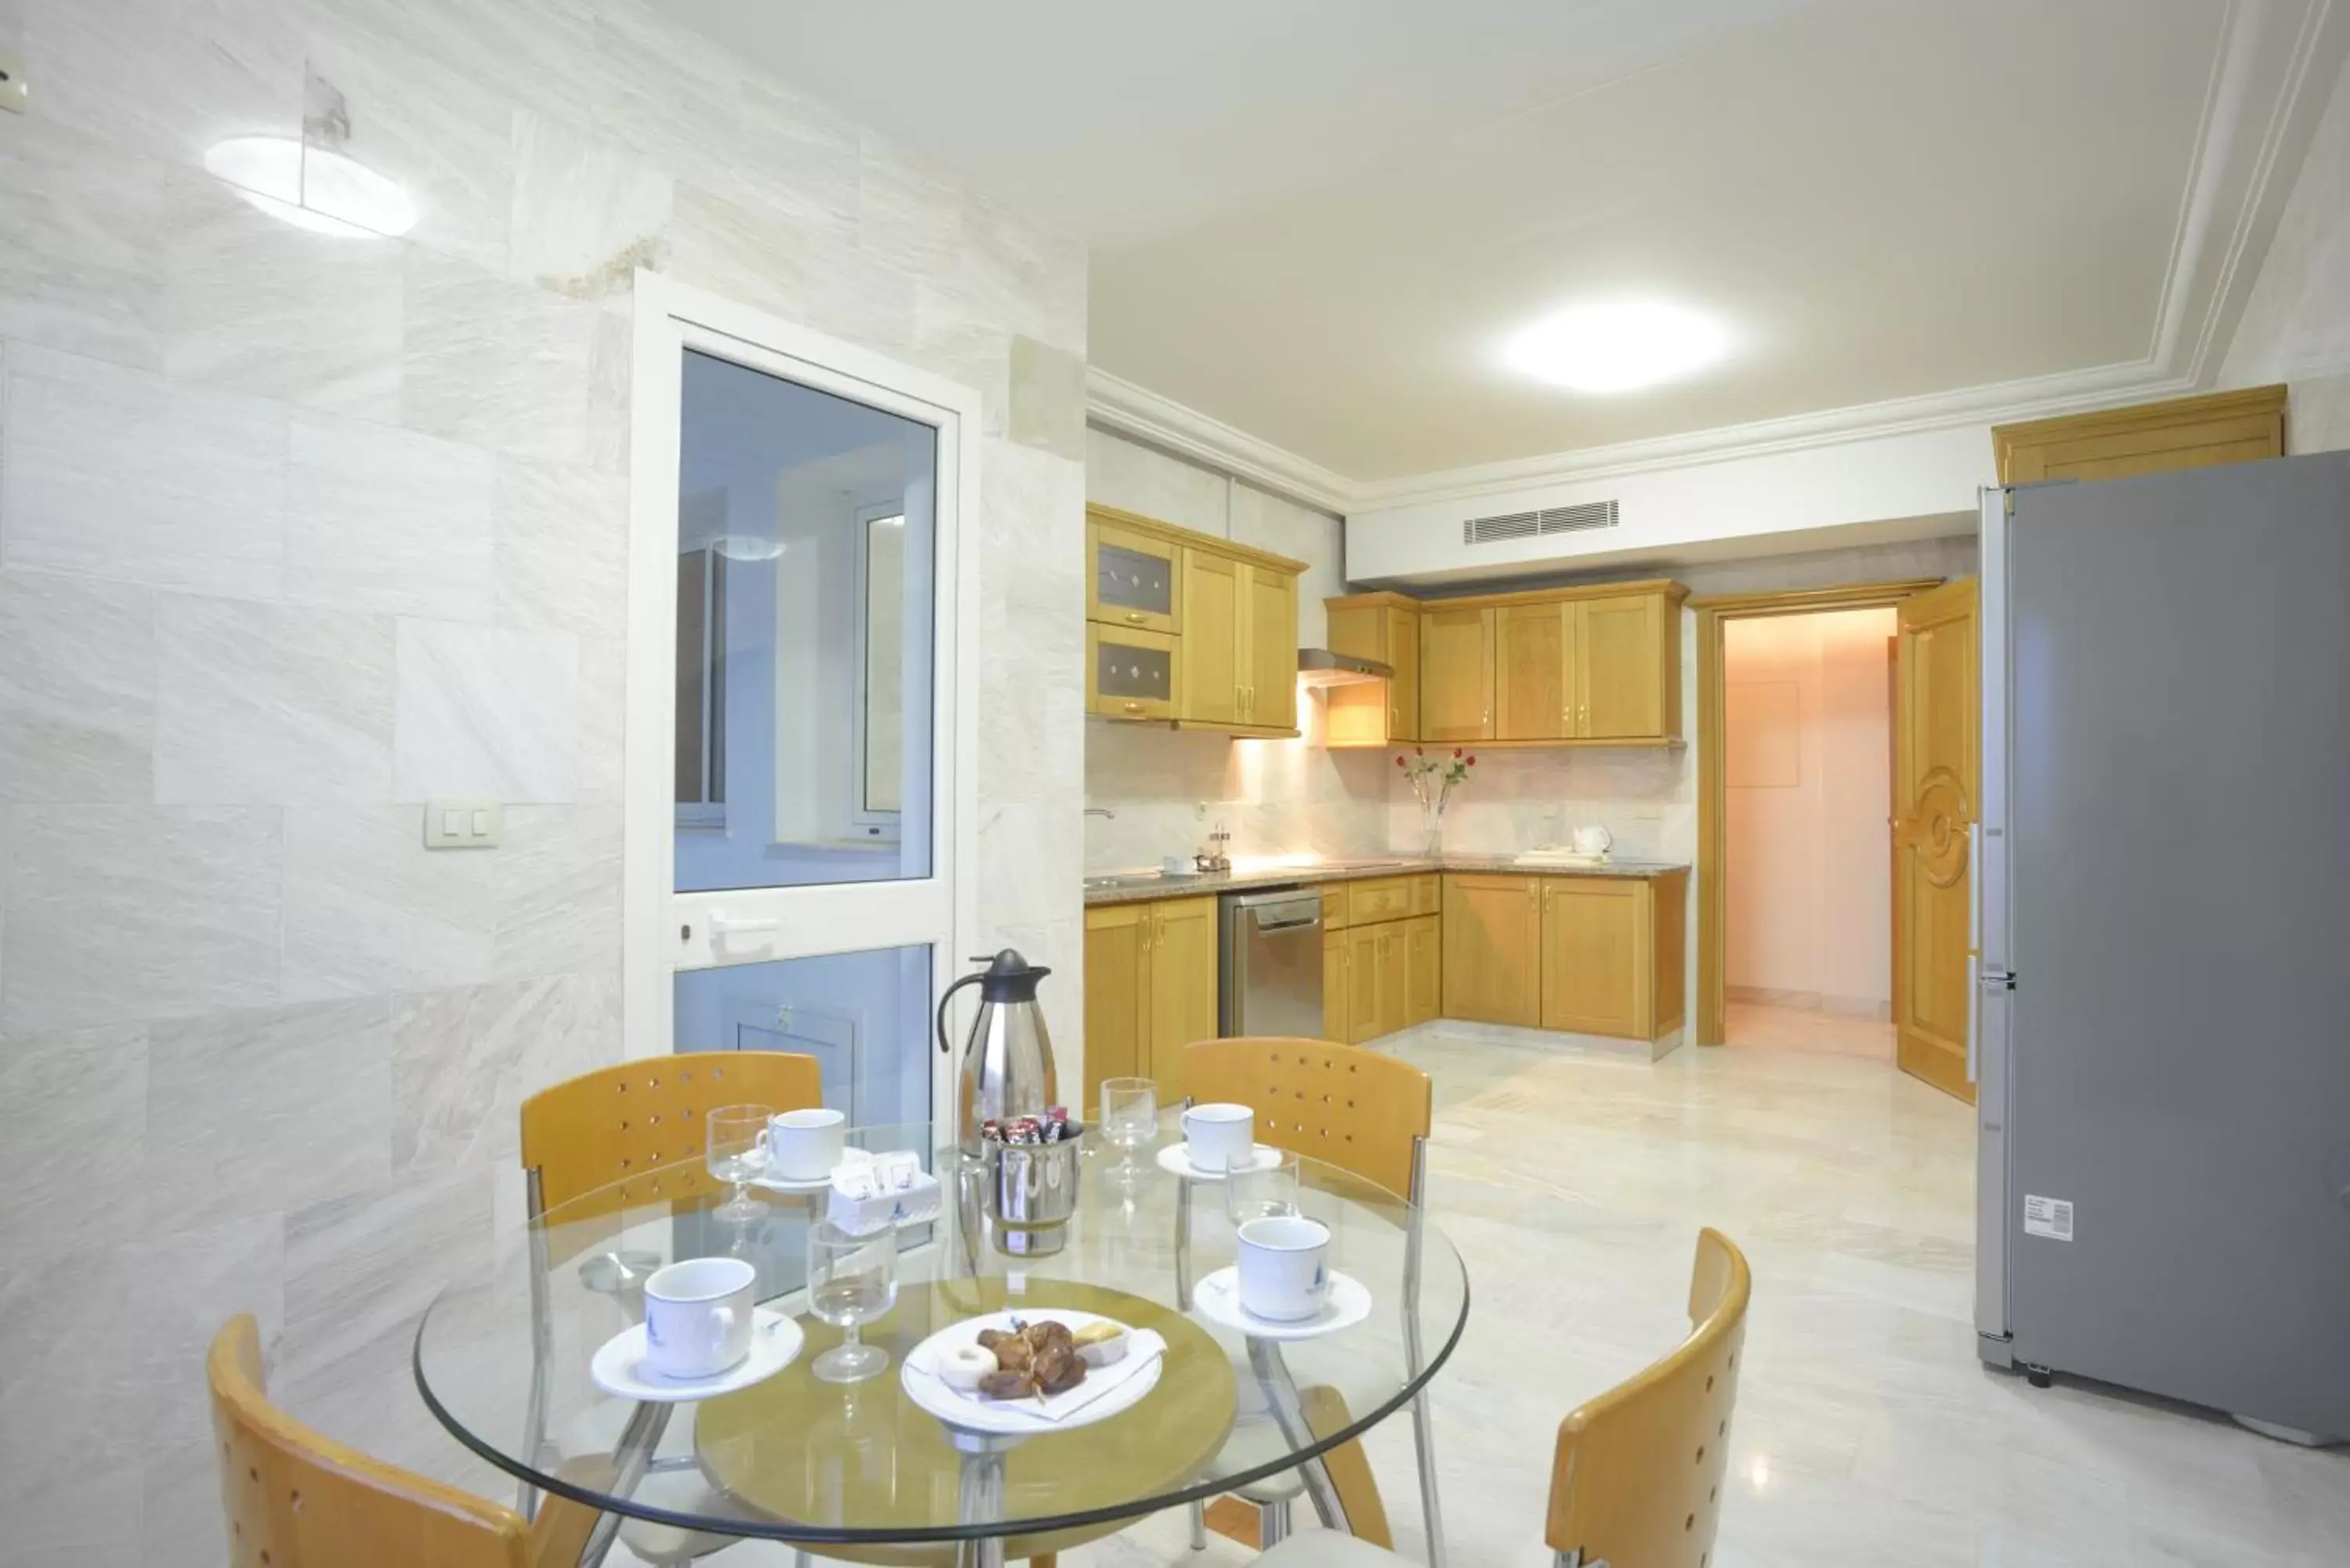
(1135, 618)
(721, 927)
(1134, 707)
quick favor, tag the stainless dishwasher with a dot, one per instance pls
(1269, 963)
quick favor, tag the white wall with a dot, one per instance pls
(1278, 798)
(2296, 326)
(1808, 705)
(297, 530)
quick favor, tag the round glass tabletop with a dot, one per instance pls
(796, 1456)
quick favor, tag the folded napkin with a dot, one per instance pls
(872, 1195)
(1145, 1346)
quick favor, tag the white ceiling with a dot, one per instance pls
(1315, 220)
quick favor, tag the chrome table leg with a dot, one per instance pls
(631, 1455)
(1289, 1415)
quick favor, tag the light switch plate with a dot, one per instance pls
(464, 824)
(12, 94)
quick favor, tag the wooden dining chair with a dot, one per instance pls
(297, 1499)
(1635, 1481)
(1370, 1115)
(632, 1133)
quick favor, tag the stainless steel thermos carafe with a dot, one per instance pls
(1007, 1058)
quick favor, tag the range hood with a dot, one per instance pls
(1320, 667)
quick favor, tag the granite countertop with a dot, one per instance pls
(1139, 887)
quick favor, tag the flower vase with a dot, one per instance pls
(1432, 830)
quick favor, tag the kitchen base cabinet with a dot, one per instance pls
(1492, 946)
(1150, 991)
(1423, 984)
(1334, 986)
(1612, 950)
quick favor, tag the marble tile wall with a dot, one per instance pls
(297, 531)
(2296, 325)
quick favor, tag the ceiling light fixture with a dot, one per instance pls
(1618, 346)
(312, 188)
(747, 547)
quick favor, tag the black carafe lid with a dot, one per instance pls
(1011, 977)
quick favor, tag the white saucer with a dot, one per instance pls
(1175, 1160)
(620, 1369)
(1128, 1380)
(1216, 1298)
(808, 1183)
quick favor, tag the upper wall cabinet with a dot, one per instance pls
(1600, 667)
(1384, 627)
(2152, 438)
(1188, 628)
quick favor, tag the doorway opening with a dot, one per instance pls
(1808, 777)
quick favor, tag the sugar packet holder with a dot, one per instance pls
(889, 1189)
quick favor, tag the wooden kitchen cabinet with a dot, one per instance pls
(1150, 991)
(1625, 668)
(1456, 674)
(1366, 993)
(1613, 954)
(1533, 678)
(1334, 1019)
(1492, 949)
(2241, 426)
(1384, 627)
(1188, 629)
(1423, 986)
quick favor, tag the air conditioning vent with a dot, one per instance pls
(1533, 525)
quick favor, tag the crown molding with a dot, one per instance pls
(1114, 403)
(2269, 52)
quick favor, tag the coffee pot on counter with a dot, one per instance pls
(1007, 1058)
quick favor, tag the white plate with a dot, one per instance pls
(809, 1183)
(1216, 1298)
(1175, 1160)
(620, 1369)
(1106, 1391)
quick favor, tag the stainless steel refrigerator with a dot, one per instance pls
(2162, 1021)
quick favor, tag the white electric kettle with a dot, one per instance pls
(1593, 841)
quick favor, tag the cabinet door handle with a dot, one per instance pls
(1135, 617)
(1134, 707)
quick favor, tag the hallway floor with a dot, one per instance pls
(1782, 1028)
(1868, 1435)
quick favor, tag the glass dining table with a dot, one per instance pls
(859, 1470)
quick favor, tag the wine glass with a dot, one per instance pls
(852, 1280)
(1267, 1185)
(735, 1152)
(1129, 1114)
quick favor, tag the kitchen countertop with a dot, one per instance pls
(1137, 887)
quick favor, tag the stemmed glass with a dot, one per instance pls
(852, 1281)
(735, 1152)
(1130, 1116)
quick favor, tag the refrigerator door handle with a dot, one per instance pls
(1974, 953)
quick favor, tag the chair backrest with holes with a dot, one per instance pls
(296, 1499)
(619, 1122)
(1637, 1476)
(1355, 1109)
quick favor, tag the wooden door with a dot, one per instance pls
(1182, 986)
(1456, 675)
(1211, 639)
(1595, 965)
(1403, 686)
(1363, 988)
(1270, 681)
(1116, 985)
(1423, 969)
(1532, 687)
(1620, 667)
(1335, 1021)
(1935, 756)
(1492, 949)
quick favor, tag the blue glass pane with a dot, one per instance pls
(865, 1016)
(806, 533)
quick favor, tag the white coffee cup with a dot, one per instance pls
(698, 1316)
(1284, 1267)
(1218, 1137)
(804, 1146)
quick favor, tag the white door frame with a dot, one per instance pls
(663, 930)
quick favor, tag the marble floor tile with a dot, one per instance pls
(77, 689)
(1786, 1028)
(117, 914)
(486, 713)
(198, 500)
(267, 704)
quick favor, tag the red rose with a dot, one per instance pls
(1399, 762)
(1419, 751)
(1456, 751)
(1473, 762)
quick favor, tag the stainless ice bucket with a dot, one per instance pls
(1031, 1192)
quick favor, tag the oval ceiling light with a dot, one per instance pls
(747, 547)
(1618, 347)
(312, 188)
